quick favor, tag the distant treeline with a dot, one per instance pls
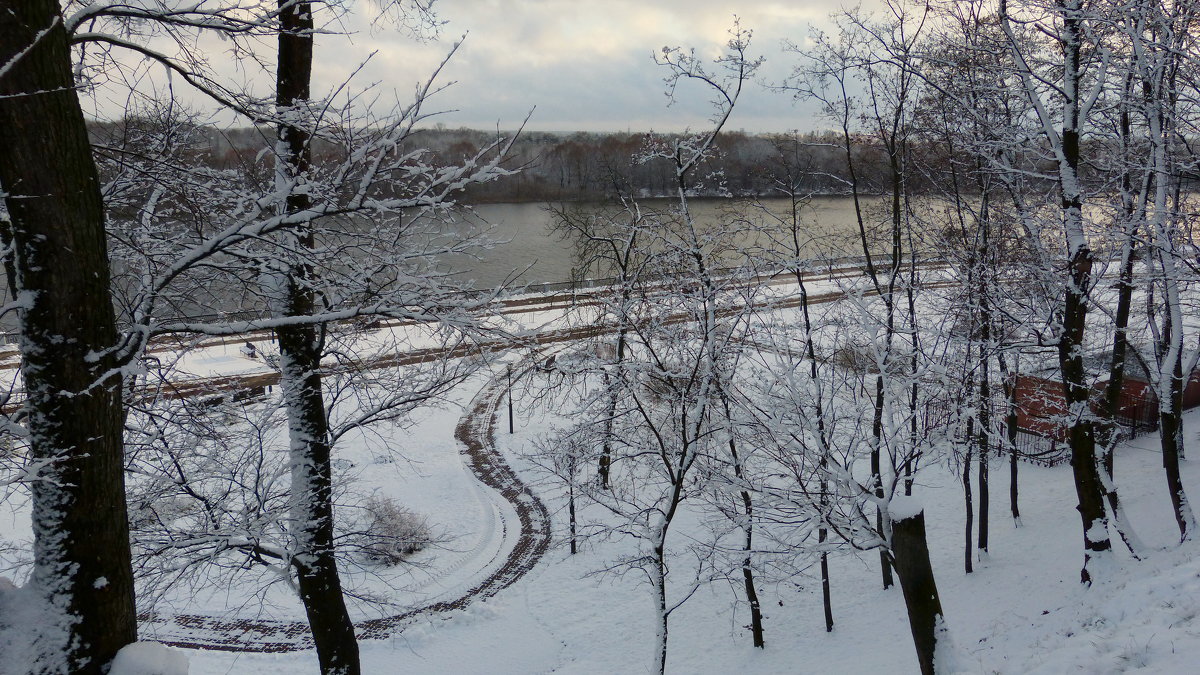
(580, 165)
(599, 166)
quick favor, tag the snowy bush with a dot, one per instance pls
(855, 358)
(389, 533)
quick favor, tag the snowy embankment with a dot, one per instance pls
(1021, 611)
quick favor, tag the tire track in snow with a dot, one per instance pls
(476, 432)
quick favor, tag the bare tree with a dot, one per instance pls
(1062, 115)
(875, 56)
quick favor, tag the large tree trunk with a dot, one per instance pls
(59, 263)
(911, 554)
(312, 488)
(300, 377)
(1081, 437)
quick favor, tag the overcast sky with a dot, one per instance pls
(588, 64)
(579, 64)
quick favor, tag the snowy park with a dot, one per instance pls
(482, 337)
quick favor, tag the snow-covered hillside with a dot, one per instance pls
(1021, 611)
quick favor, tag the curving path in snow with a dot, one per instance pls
(520, 544)
(529, 537)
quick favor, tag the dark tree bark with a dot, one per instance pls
(1075, 107)
(1170, 419)
(911, 554)
(300, 376)
(968, 551)
(756, 622)
(886, 293)
(59, 265)
(1082, 437)
(985, 422)
(1125, 287)
(987, 263)
(810, 353)
(605, 462)
(571, 513)
(1009, 379)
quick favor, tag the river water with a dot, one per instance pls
(527, 252)
(527, 245)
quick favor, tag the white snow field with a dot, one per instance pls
(1021, 611)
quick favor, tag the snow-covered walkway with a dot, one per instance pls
(514, 548)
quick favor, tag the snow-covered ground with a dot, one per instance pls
(1022, 611)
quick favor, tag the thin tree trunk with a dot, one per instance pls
(886, 294)
(986, 348)
(1171, 437)
(1010, 429)
(825, 595)
(756, 618)
(59, 262)
(1169, 350)
(1071, 346)
(984, 444)
(811, 354)
(659, 580)
(968, 547)
(1110, 429)
(1013, 491)
(756, 622)
(605, 462)
(877, 476)
(1116, 372)
(300, 375)
(571, 512)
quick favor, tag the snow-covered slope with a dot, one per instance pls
(1022, 610)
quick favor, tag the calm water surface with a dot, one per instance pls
(527, 243)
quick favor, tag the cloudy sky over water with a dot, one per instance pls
(589, 64)
(578, 64)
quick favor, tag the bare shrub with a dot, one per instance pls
(389, 533)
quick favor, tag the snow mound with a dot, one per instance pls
(149, 658)
(903, 507)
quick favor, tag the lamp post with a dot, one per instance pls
(508, 368)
